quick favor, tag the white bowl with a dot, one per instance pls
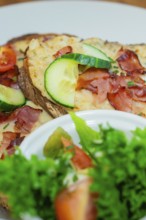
(33, 144)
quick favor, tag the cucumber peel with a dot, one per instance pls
(10, 98)
(60, 81)
(95, 52)
(61, 76)
(87, 60)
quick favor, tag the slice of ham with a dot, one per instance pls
(121, 100)
(95, 80)
(10, 74)
(123, 81)
(129, 62)
(100, 82)
(129, 100)
(137, 93)
(80, 159)
(9, 83)
(121, 90)
(92, 74)
(10, 140)
(62, 51)
(9, 78)
(4, 117)
(117, 82)
(25, 117)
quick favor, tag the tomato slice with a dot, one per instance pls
(7, 58)
(76, 203)
(80, 159)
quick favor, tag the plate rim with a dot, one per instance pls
(17, 4)
(83, 114)
(103, 33)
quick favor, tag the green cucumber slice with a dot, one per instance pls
(10, 98)
(95, 52)
(60, 81)
(61, 76)
(88, 60)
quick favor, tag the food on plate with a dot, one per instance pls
(105, 87)
(10, 98)
(63, 90)
(54, 144)
(106, 182)
(7, 58)
(59, 73)
(29, 116)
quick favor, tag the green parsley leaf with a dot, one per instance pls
(5, 126)
(130, 83)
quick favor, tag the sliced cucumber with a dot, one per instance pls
(95, 52)
(61, 76)
(60, 81)
(10, 98)
(88, 60)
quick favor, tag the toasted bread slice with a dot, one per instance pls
(40, 54)
(111, 48)
(39, 50)
(31, 80)
(34, 94)
(20, 44)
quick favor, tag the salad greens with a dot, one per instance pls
(32, 185)
(119, 175)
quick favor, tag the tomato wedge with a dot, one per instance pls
(76, 203)
(7, 58)
(80, 159)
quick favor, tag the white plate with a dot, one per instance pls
(34, 143)
(115, 22)
(109, 21)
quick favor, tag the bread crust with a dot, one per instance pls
(29, 37)
(33, 94)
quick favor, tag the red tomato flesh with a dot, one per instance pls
(76, 203)
(80, 159)
(7, 58)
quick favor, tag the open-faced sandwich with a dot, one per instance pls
(48, 75)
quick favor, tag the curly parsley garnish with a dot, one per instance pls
(32, 185)
(119, 174)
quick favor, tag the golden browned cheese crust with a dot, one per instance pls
(39, 51)
(40, 54)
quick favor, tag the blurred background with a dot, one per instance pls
(140, 3)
